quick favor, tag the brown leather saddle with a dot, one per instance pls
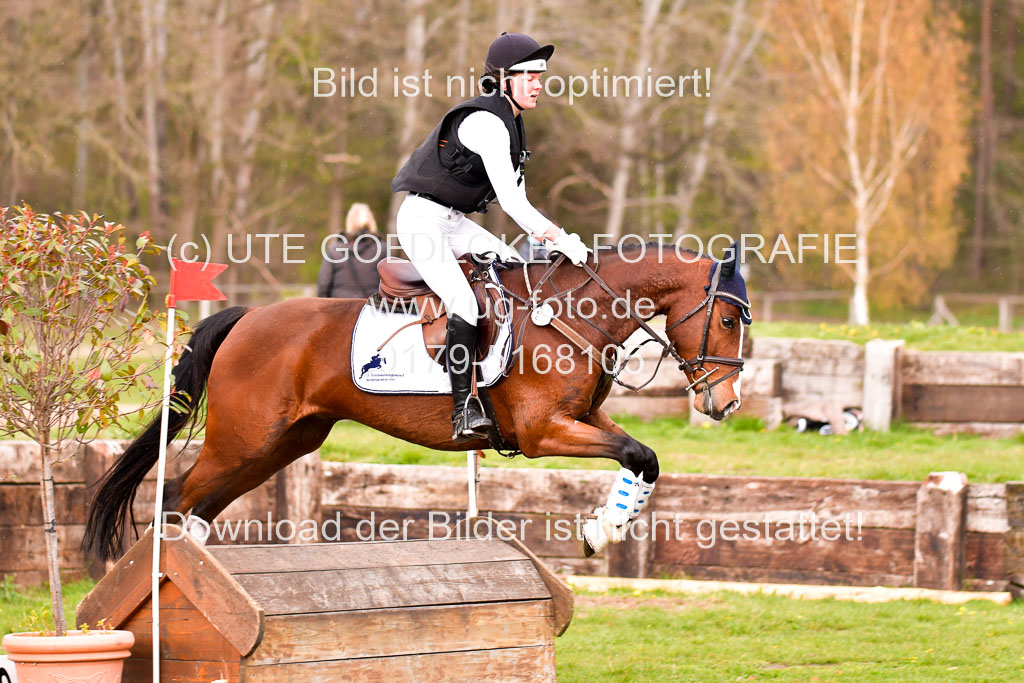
(402, 288)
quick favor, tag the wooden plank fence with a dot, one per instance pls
(942, 533)
(776, 529)
(1004, 306)
(293, 493)
(765, 305)
(947, 391)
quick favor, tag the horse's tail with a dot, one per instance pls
(111, 506)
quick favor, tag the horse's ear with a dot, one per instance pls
(729, 264)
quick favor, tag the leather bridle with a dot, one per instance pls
(699, 375)
(694, 367)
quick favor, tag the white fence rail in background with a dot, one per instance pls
(765, 305)
(1004, 302)
(765, 302)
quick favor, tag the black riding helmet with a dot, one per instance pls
(514, 52)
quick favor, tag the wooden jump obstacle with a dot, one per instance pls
(431, 610)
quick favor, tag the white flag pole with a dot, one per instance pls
(472, 476)
(158, 510)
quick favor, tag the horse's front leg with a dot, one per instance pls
(599, 436)
(648, 466)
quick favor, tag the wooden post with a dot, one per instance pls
(881, 380)
(472, 481)
(1013, 548)
(1005, 314)
(942, 314)
(939, 539)
(298, 492)
(632, 558)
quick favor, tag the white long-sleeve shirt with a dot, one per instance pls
(484, 133)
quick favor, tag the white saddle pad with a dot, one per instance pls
(403, 366)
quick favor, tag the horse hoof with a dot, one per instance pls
(198, 528)
(594, 537)
(615, 533)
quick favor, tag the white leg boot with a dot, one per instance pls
(611, 521)
(641, 501)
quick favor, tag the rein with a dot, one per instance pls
(694, 367)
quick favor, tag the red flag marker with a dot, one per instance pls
(189, 282)
(194, 282)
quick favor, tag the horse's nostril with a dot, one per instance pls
(731, 408)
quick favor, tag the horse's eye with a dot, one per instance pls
(728, 323)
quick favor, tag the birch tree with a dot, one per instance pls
(676, 136)
(415, 46)
(746, 29)
(857, 104)
(631, 109)
(151, 14)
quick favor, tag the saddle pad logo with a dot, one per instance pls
(404, 366)
(382, 361)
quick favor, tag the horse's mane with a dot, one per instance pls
(628, 249)
(655, 246)
(538, 267)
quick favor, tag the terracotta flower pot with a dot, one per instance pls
(94, 657)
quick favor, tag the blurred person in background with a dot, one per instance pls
(350, 269)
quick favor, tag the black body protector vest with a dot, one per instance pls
(453, 175)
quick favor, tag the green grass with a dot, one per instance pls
(626, 636)
(917, 335)
(17, 604)
(739, 446)
(730, 637)
(836, 311)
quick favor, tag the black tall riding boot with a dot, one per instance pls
(468, 419)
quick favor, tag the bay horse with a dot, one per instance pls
(277, 378)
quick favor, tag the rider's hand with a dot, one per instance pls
(571, 245)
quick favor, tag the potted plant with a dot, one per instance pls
(74, 317)
(85, 654)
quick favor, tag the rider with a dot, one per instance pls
(476, 153)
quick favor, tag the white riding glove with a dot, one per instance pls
(572, 246)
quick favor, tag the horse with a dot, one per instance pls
(276, 378)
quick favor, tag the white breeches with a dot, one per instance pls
(434, 237)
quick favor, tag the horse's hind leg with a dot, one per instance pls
(230, 465)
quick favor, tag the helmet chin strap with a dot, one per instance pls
(508, 93)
